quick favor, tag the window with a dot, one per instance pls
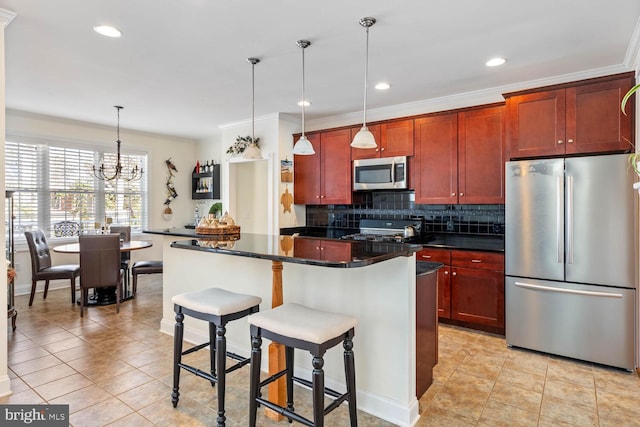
(55, 189)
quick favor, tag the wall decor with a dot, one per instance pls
(286, 199)
(286, 170)
(171, 190)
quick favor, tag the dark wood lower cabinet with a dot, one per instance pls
(477, 296)
(470, 288)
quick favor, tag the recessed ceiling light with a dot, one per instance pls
(383, 86)
(494, 62)
(107, 31)
(305, 102)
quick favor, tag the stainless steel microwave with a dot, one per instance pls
(380, 173)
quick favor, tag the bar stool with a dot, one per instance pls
(297, 326)
(218, 307)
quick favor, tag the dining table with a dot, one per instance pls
(106, 296)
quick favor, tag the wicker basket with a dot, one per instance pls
(219, 231)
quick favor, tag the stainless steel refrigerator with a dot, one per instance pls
(570, 258)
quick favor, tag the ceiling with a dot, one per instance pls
(180, 67)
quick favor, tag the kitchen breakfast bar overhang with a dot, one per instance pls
(376, 283)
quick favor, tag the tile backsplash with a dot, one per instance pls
(469, 219)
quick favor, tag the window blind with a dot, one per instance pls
(54, 182)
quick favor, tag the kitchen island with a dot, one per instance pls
(376, 283)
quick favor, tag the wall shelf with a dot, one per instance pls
(206, 185)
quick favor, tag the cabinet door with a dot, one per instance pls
(477, 296)
(435, 168)
(481, 156)
(366, 153)
(444, 277)
(335, 250)
(336, 186)
(306, 248)
(306, 173)
(396, 138)
(536, 124)
(595, 122)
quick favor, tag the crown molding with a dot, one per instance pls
(631, 57)
(6, 16)
(248, 121)
(460, 100)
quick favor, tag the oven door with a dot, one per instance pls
(380, 174)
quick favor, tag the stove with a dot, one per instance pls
(386, 230)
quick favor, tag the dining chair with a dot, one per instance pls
(125, 257)
(41, 268)
(100, 266)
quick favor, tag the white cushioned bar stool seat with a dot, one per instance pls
(217, 307)
(297, 326)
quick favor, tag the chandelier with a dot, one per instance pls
(115, 173)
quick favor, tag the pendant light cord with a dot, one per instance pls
(303, 100)
(253, 102)
(366, 70)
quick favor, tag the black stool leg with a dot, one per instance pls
(318, 391)
(254, 381)
(212, 350)
(221, 353)
(177, 356)
(288, 355)
(350, 377)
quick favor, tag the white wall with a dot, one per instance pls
(159, 148)
(5, 384)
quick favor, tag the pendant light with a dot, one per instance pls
(364, 138)
(303, 145)
(252, 152)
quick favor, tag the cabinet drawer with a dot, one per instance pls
(480, 260)
(434, 255)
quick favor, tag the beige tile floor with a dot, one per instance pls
(115, 369)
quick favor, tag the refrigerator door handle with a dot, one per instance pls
(570, 219)
(559, 220)
(568, 291)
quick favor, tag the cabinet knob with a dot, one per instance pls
(322, 197)
(560, 141)
(317, 197)
(453, 194)
(446, 272)
(382, 149)
(377, 149)
(453, 274)
(461, 194)
(570, 141)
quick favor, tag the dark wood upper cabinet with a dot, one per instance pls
(336, 186)
(481, 156)
(325, 177)
(460, 157)
(306, 174)
(577, 118)
(394, 138)
(434, 170)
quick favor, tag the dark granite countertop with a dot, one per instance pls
(477, 242)
(175, 231)
(464, 241)
(300, 250)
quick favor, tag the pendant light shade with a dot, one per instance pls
(303, 146)
(252, 152)
(364, 138)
